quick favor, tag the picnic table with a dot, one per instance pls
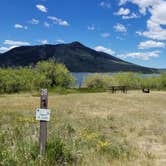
(145, 90)
(113, 89)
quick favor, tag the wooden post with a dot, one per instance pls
(43, 124)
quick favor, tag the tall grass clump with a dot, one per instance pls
(57, 152)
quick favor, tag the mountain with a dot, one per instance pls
(162, 70)
(76, 57)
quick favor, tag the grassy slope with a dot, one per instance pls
(94, 126)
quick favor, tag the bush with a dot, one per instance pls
(58, 74)
(129, 79)
(9, 81)
(163, 80)
(98, 81)
(45, 74)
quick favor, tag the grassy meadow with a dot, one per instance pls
(86, 129)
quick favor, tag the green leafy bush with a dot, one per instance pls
(129, 79)
(58, 74)
(98, 81)
(44, 75)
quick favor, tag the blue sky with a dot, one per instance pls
(134, 30)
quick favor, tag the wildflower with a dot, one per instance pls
(103, 145)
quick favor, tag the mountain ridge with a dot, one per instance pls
(76, 57)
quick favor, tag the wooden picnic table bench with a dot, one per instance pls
(123, 89)
(145, 90)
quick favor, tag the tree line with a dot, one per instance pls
(129, 79)
(45, 74)
(49, 74)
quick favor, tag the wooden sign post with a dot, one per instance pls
(43, 123)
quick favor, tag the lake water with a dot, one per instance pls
(81, 76)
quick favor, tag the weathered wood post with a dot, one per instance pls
(43, 123)
(43, 115)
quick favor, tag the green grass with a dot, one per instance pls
(85, 129)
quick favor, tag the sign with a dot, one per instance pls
(43, 114)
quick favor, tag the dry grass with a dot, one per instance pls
(134, 119)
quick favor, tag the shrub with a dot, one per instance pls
(163, 80)
(45, 74)
(97, 81)
(129, 79)
(9, 81)
(58, 74)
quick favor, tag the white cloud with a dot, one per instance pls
(104, 49)
(105, 4)
(5, 49)
(59, 41)
(151, 44)
(34, 21)
(119, 38)
(141, 55)
(122, 11)
(155, 31)
(46, 24)
(58, 21)
(15, 43)
(120, 28)
(156, 23)
(42, 8)
(122, 2)
(91, 27)
(159, 13)
(142, 4)
(131, 16)
(12, 44)
(19, 26)
(105, 35)
(126, 14)
(43, 41)
(138, 33)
